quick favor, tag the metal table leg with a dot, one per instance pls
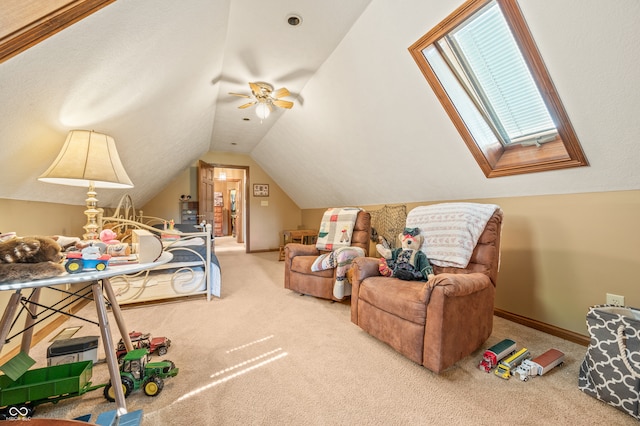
(117, 314)
(29, 321)
(110, 351)
(8, 316)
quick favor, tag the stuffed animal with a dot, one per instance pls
(108, 236)
(407, 262)
(30, 258)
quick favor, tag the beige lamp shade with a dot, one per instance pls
(88, 158)
(91, 160)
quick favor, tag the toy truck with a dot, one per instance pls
(539, 365)
(137, 372)
(89, 258)
(496, 353)
(506, 367)
(21, 390)
(144, 340)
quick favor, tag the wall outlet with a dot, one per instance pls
(614, 299)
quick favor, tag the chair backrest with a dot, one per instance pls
(362, 231)
(486, 255)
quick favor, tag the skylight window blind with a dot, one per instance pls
(489, 66)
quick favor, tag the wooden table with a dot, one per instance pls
(94, 278)
(302, 236)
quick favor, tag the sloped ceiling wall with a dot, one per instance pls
(370, 130)
(134, 70)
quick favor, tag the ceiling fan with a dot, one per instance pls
(265, 98)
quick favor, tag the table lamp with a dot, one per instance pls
(88, 159)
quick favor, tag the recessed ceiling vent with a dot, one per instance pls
(294, 20)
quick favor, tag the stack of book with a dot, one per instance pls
(123, 260)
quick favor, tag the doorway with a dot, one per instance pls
(224, 202)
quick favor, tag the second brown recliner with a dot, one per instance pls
(299, 258)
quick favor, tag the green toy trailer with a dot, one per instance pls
(21, 389)
(41, 385)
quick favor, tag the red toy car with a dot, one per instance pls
(144, 340)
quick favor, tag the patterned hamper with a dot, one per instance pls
(610, 371)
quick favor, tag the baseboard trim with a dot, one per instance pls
(168, 300)
(544, 327)
(264, 250)
(46, 330)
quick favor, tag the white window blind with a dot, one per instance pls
(494, 79)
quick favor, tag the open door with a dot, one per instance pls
(205, 192)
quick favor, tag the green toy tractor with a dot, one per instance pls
(137, 372)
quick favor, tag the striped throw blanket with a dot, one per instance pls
(340, 259)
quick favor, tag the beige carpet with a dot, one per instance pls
(263, 355)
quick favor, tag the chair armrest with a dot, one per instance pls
(456, 285)
(361, 268)
(364, 267)
(295, 249)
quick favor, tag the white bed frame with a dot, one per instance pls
(182, 279)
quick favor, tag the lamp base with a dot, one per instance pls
(92, 229)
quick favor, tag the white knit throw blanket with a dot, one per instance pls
(450, 230)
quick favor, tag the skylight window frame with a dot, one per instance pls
(499, 158)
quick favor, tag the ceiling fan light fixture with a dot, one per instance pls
(262, 110)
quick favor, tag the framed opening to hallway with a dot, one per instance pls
(229, 215)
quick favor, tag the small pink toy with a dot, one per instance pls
(107, 236)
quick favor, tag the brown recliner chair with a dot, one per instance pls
(298, 259)
(434, 323)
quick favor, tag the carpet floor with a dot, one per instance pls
(263, 355)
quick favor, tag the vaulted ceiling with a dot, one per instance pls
(365, 129)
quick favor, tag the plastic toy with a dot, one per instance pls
(507, 366)
(89, 258)
(137, 372)
(38, 386)
(108, 236)
(21, 389)
(144, 341)
(540, 364)
(496, 353)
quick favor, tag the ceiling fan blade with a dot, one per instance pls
(239, 94)
(255, 89)
(283, 104)
(281, 93)
(247, 105)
